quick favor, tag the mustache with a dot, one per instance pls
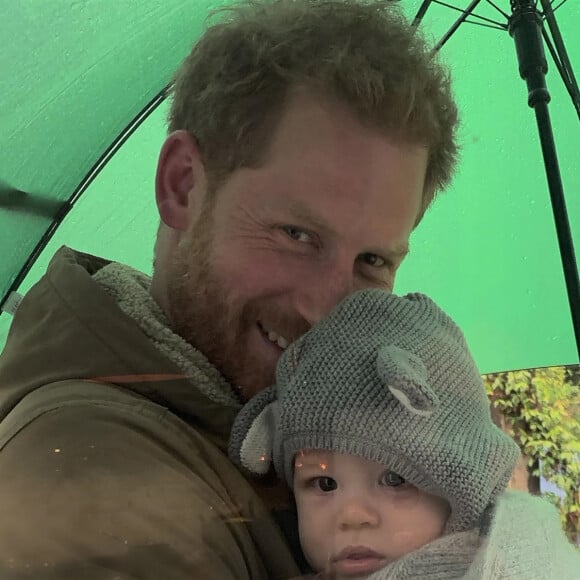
(238, 316)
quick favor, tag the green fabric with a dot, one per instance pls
(73, 74)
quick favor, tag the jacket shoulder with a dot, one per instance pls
(96, 480)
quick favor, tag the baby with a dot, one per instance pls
(380, 424)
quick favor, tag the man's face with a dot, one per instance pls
(355, 516)
(329, 212)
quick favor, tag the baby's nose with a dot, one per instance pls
(357, 513)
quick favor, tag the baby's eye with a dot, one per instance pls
(392, 479)
(325, 484)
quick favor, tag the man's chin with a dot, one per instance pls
(251, 383)
(248, 387)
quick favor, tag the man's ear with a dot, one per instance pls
(180, 181)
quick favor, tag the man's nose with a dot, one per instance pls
(357, 513)
(321, 292)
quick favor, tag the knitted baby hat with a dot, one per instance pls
(390, 379)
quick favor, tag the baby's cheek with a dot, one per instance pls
(313, 537)
(411, 526)
(440, 512)
(432, 516)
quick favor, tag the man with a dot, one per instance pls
(306, 140)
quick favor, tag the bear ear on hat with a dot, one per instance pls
(405, 375)
(252, 436)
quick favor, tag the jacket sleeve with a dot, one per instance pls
(90, 494)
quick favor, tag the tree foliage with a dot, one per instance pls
(542, 409)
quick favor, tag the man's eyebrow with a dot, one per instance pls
(395, 253)
(304, 214)
(399, 251)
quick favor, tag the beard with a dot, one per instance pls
(209, 314)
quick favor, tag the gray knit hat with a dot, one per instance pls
(389, 379)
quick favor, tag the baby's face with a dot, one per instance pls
(356, 516)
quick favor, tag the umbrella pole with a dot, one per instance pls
(525, 26)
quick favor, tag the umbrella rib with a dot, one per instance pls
(561, 69)
(492, 26)
(470, 13)
(421, 13)
(119, 142)
(560, 55)
(81, 188)
(499, 9)
(559, 5)
(464, 16)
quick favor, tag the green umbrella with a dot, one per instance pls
(526, 25)
(81, 82)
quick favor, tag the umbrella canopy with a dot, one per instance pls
(75, 75)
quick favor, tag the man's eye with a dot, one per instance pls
(325, 484)
(296, 234)
(373, 260)
(391, 479)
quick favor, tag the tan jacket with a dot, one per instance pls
(113, 466)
